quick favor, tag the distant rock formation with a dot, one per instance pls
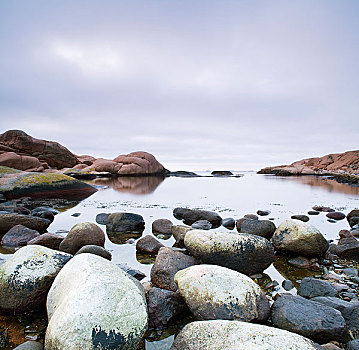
(340, 163)
(21, 151)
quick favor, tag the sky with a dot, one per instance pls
(206, 84)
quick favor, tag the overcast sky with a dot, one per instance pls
(206, 84)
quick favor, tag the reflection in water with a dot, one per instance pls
(146, 259)
(122, 237)
(131, 184)
(327, 184)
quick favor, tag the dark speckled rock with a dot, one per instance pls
(312, 287)
(18, 236)
(49, 240)
(7, 221)
(263, 228)
(27, 276)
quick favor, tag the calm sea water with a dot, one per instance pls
(156, 198)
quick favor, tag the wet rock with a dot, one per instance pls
(313, 212)
(300, 261)
(215, 292)
(300, 238)
(229, 223)
(162, 226)
(85, 233)
(30, 345)
(313, 320)
(179, 232)
(76, 301)
(287, 285)
(49, 240)
(149, 245)
(251, 216)
(347, 247)
(263, 212)
(95, 249)
(102, 218)
(336, 215)
(42, 211)
(303, 218)
(8, 221)
(353, 345)
(18, 236)
(353, 213)
(245, 253)
(195, 215)
(22, 210)
(137, 274)
(311, 287)
(202, 225)
(221, 173)
(263, 228)
(183, 173)
(224, 334)
(354, 221)
(164, 307)
(125, 222)
(349, 310)
(168, 262)
(27, 276)
(179, 213)
(325, 209)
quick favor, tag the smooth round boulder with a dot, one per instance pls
(298, 237)
(215, 292)
(353, 213)
(102, 218)
(95, 249)
(195, 215)
(162, 226)
(84, 233)
(179, 213)
(26, 277)
(313, 320)
(93, 304)
(49, 240)
(125, 222)
(263, 228)
(148, 245)
(336, 215)
(9, 220)
(245, 253)
(229, 223)
(18, 236)
(237, 335)
(303, 218)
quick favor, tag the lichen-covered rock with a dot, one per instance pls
(215, 292)
(9, 220)
(244, 253)
(27, 276)
(237, 335)
(93, 304)
(298, 237)
(84, 233)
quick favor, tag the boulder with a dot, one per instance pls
(49, 240)
(96, 250)
(179, 213)
(263, 228)
(312, 287)
(51, 153)
(237, 335)
(44, 185)
(229, 223)
(312, 212)
(104, 305)
(162, 226)
(352, 214)
(85, 233)
(102, 218)
(195, 215)
(221, 173)
(313, 320)
(164, 307)
(26, 277)
(16, 161)
(263, 212)
(149, 245)
(300, 238)
(215, 292)
(18, 236)
(125, 222)
(336, 215)
(30, 345)
(179, 232)
(347, 247)
(45, 213)
(202, 225)
(9, 220)
(168, 262)
(245, 253)
(303, 218)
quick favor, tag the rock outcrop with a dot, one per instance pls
(347, 162)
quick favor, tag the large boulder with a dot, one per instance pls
(351, 215)
(264, 228)
(312, 287)
(9, 220)
(168, 262)
(27, 276)
(47, 152)
(237, 335)
(313, 320)
(18, 236)
(93, 304)
(44, 185)
(148, 245)
(125, 222)
(190, 217)
(16, 161)
(300, 238)
(215, 292)
(49, 240)
(244, 253)
(347, 247)
(82, 234)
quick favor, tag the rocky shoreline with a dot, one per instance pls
(210, 283)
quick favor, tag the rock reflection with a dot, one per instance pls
(131, 184)
(328, 184)
(122, 237)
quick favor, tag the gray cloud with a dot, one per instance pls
(235, 84)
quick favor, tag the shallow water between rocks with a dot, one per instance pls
(155, 198)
